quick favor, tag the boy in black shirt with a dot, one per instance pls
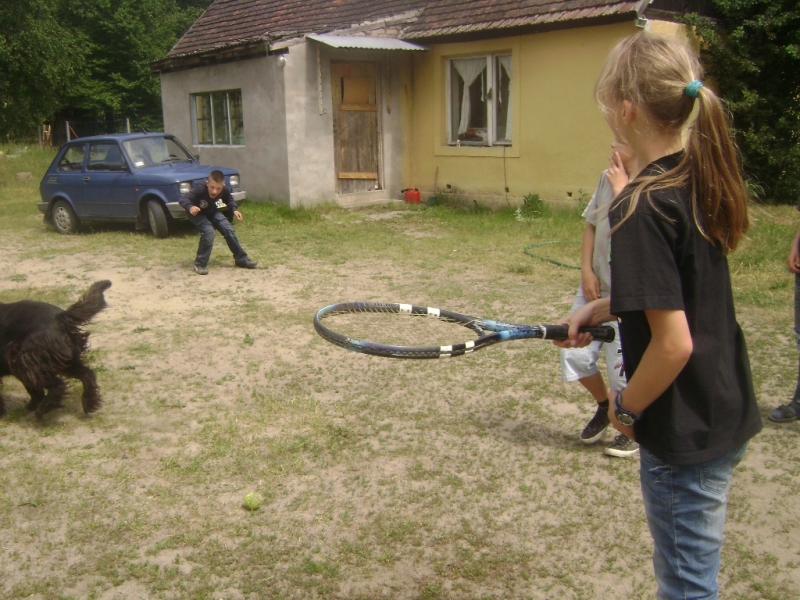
(203, 204)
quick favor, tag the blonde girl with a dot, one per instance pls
(689, 402)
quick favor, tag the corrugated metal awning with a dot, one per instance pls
(363, 42)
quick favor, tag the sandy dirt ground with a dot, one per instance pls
(168, 328)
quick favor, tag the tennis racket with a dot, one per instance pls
(408, 331)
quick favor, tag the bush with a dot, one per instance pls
(751, 52)
(533, 207)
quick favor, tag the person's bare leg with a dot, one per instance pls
(596, 387)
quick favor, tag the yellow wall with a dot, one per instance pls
(560, 141)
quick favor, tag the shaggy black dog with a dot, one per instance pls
(40, 344)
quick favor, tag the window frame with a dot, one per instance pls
(492, 62)
(66, 166)
(229, 128)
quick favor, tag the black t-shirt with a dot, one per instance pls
(198, 196)
(660, 260)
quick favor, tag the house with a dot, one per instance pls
(355, 100)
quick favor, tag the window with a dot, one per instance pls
(156, 150)
(73, 159)
(105, 156)
(218, 118)
(479, 100)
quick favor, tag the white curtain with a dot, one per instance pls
(469, 69)
(505, 62)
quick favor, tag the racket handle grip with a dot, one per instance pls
(603, 333)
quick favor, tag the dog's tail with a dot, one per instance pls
(91, 303)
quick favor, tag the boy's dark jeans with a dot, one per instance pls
(206, 224)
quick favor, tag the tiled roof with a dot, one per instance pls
(229, 23)
(451, 17)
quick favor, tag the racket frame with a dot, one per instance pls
(489, 332)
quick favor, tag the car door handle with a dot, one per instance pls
(86, 179)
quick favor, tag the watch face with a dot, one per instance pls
(626, 420)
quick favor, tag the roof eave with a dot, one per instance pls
(238, 50)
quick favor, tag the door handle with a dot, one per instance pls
(86, 179)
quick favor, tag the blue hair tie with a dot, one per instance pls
(693, 88)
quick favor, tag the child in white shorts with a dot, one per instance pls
(580, 364)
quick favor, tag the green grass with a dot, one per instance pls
(456, 478)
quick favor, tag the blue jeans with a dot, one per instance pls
(685, 508)
(206, 226)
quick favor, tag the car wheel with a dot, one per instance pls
(157, 219)
(64, 219)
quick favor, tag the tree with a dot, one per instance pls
(87, 59)
(752, 52)
(121, 38)
(38, 63)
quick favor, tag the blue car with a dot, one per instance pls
(128, 178)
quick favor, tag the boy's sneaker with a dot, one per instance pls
(200, 270)
(785, 413)
(596, 428)
(622, 446)
(246, 264)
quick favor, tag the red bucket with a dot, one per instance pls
(411, 195)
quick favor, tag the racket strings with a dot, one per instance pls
(400, 329)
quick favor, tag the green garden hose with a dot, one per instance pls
(551, 260)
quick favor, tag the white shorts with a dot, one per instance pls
(577, 363)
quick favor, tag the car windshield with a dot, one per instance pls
(149, 151)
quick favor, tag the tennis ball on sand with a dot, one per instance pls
(253, 500)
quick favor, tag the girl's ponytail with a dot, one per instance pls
(719, 194)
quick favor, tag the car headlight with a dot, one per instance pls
(185, 187)
(234, 181)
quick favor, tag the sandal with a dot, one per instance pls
(785, 413)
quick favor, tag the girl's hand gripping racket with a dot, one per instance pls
(407, 331)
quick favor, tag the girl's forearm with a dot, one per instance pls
(665, 357)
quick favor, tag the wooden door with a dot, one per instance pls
(355, 126)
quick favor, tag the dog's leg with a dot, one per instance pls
(55, 393)
(36, 394)
(34, 386)
(91, 399)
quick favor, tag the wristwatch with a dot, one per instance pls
(623, 415)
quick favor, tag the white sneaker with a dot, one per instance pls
(622, 446)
